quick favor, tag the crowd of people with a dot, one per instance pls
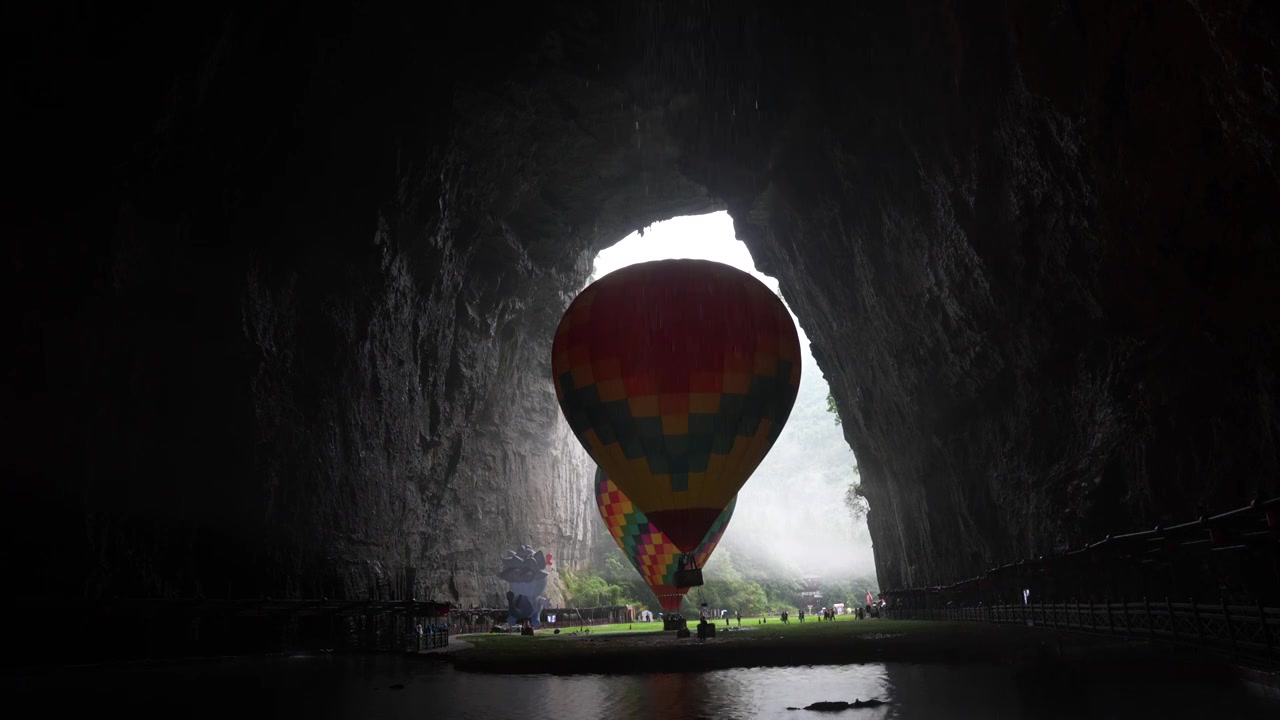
(706, 614)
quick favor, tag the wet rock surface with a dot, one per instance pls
(285, 299)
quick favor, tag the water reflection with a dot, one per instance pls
(369, 686)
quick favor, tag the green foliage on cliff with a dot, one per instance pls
(831, 406)
(853, 497)
(854, 500)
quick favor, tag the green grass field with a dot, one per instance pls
(656, 626)
(644, 648)
(641, 638)
(605, 629)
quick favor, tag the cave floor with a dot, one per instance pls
(832, 643)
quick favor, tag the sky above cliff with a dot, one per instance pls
(791, 513)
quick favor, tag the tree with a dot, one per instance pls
(726, 588)
(615, 570)
(590, 589)
(853, 497)
(831, 406)
(851, 591)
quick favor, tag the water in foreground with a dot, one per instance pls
(369, 686)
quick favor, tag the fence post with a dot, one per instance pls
(1110, 626)
(1173, 620)
(1195, 612)
(1266, 631)
(1093, 618)
(1151, 626)
(1079, 620)
(1231, 633)
(1124, 608)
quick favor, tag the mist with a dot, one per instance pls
(791, 515)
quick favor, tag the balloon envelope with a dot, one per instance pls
(651, 552)
(677, 376)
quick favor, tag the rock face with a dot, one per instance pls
(1035, 269)
(286, 281)
(285, 328)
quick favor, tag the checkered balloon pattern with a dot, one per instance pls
(677, 376)
(646, 547)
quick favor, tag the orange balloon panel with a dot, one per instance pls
(677, 376)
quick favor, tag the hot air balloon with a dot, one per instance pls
(677, 377)
(652, 554)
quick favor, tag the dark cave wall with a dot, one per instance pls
(1039, 270)
(286, 289)
(284, 298)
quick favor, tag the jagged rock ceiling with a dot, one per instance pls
(285, 279)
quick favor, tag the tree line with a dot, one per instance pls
(732, 583)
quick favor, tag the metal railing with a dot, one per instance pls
(482, 620)
(432, 637)
(1232, 557)
(1237, 629)
(1236, 552)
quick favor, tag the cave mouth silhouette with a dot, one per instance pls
(285, 280)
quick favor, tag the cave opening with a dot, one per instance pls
(798, 517)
